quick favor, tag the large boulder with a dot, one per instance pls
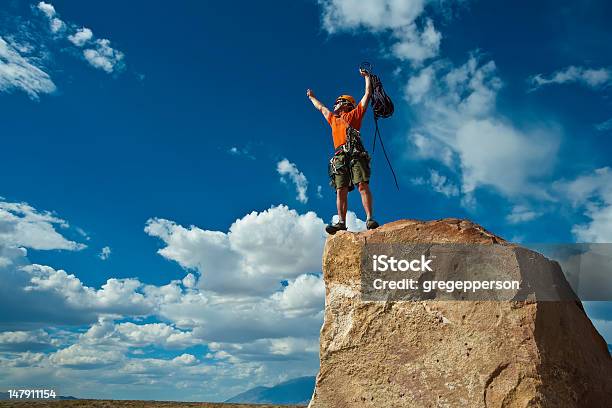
(453, 353)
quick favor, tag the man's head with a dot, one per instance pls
(344, 103)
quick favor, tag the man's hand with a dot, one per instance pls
(368, 88)
(317, 104)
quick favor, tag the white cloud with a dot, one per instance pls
(353, 223)
(304, 295)
(419, 85)
(189, 281)
(238, 296)
(23, 225)
(47, 9)
(99, 54)
(594, 78)
(104, 253)
(521, 213)
(341, 15)
(24, 340)
(185, 359)
(417, 45)
(604, 126)
(257, 252)
(457, 119)
(410, 40)
(496, 154)
(128, 334)
(438, 183)
(431, 148)
(29, 309)
(241, 151)
(254, 335)
(593, 194)
(104, 57)
(55, 23)
(78, 356)
(81, 36)
(287, 169)
(120, 297)
(18, 73)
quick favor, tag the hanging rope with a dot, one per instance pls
(382, 106)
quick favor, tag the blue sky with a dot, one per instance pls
(179, 137)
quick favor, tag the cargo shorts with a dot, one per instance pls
(349, 172)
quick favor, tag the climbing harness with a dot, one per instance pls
(347, 155)
(382, 107)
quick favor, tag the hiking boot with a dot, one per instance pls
(371, 224)
(333, 228)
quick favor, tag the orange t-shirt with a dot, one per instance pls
(338, 125)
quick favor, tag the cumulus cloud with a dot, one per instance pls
(19, 73)
(104, 57)
(411, 39)
(593, 194)
(105, 253)
(417, 45)
(419, 85)
(81, 36)
(439, 183)
(55, 23)
(302, 296)
(320, 191)
(46, 8)
(260, 329)
(521, 213)
(594, 78)
(494, 153)
(128, 334)
(257, 252)
(80, 357)
(121, 297)
(24, 226)
(353, 223)
(100, 54)
(289, 170)
(23, 341)
(459, 126)
(430, 148)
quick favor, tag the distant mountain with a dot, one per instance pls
(5, 396)
(296, 391)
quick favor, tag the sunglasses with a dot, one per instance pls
(343, 102)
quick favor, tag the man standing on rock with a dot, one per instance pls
(350, 164)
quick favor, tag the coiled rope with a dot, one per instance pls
(382, 106)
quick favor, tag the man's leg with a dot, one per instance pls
(342, 202)
(361, 177)
(366, 198)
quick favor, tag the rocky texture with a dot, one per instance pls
(451, 353)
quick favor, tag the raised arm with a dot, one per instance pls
(368, 89)
(317, 104)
